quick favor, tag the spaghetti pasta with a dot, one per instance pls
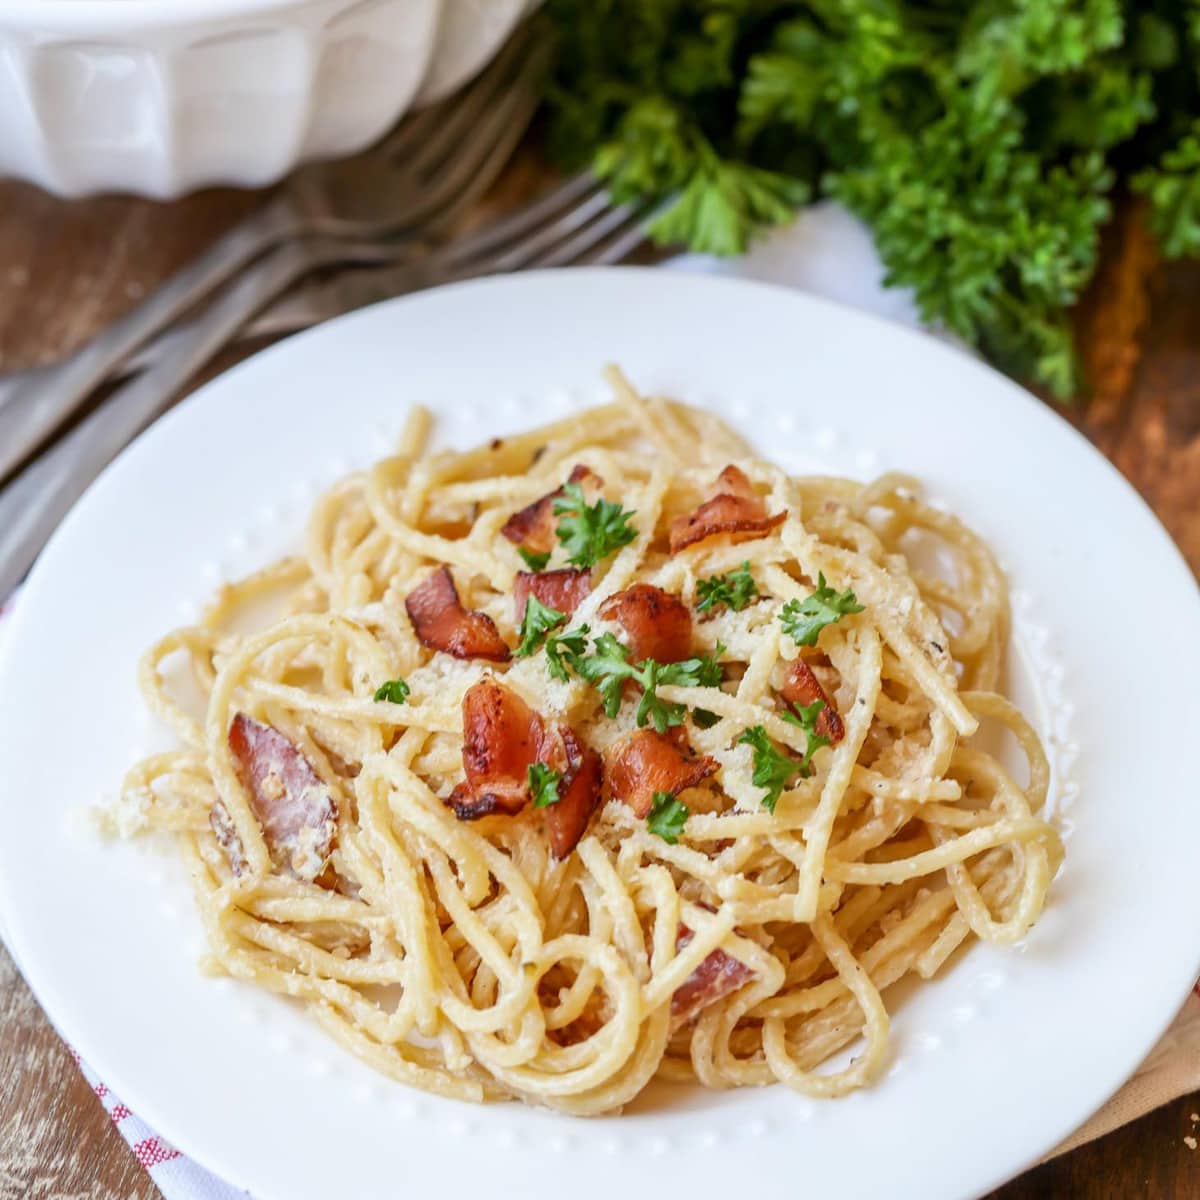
(559, 873)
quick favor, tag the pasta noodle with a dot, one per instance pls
(438, 934)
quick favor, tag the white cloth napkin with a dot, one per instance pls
(829, 253)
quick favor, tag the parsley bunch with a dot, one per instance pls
(982, 140)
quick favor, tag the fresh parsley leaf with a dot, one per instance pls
(535, 562)
(805, 716)
(564, 650)
(537, 622)
(667, 817)
(735, 590)
(590, 532)
(1172, 188)
(608, 667)
(703, 718)
(395, 691)
(772, 766)
(543, 784)
(662, 714)
(705, 671)
(802, 621)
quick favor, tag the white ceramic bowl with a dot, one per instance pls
(158, 97)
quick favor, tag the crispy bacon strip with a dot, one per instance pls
(292, 802)
(803, 687)
(659, 625)
(645, 762)
(719, 975)
(579, 789)
(563, 590)
(501, 739)
(442, 623)
(533, 527)
(734, 508)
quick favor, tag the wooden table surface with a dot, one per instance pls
(68, 268)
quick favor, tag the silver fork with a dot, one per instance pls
(579, 207)
(422, 177)
(33, 504)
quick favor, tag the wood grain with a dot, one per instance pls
(68, 268)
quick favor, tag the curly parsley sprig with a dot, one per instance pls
(803, 620)
(775, 768)
(590, 532)
(667, 817)
(805, 716)
(395, 691)
(534, 561)
(563, 649)
(539, 619)
(608, 668)
(543, 785)
(735, 590)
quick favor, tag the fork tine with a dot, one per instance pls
(527, 219)
(608, 223)
(544, 239)
(617, 248)
(495, 159)
(459, 120)
(517, 102)
(416, 129)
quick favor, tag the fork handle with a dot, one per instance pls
(34, 403)
(33, 504)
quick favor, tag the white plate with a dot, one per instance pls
(991, 1065)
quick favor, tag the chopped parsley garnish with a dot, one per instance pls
(543, 784)
(608, 667)
(803, 620)
(590, 532)
(703, 718)
(395, 691)
(667, 817)
(735, 590)
(535, 562)
(772, 767)
(537, 622)
(805, 716)
(565, 649)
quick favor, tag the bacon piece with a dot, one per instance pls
(563, 590)
(579, 789)
(803, 687)
(734, 508)
(645, 762)
(533, 527)
(292, 803)
(659, 625)
(501, 739)
(442, 623)
(719, 975)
